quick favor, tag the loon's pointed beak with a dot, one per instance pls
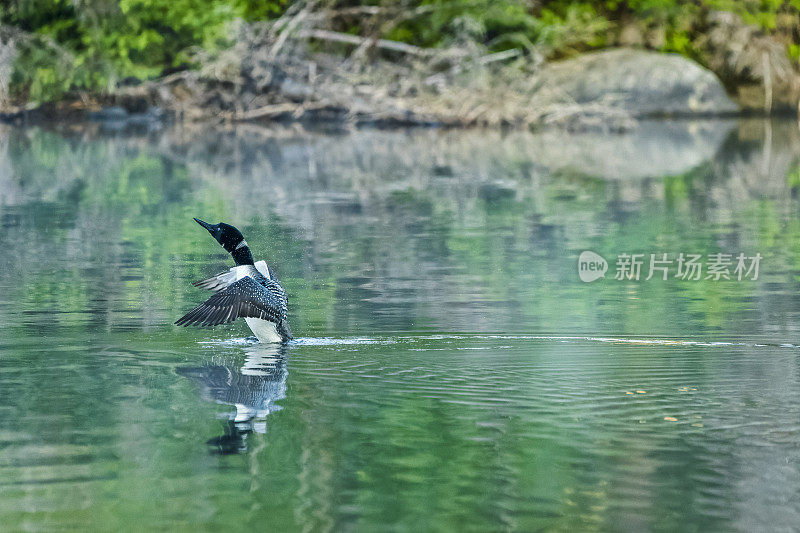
(206, 225)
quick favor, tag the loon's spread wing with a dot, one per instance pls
(244, 298)
(224, 279)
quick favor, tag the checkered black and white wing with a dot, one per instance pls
(244, 298)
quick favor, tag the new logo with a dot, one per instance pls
(591, 266)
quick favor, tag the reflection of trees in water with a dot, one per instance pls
(454, 230)
(306, 176)
(253, 388)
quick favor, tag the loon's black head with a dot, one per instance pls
(231, 239)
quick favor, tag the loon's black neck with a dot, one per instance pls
(242, 256)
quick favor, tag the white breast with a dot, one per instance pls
(263, 329)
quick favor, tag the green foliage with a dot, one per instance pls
(572, 27)
(564, 27)
(677, 18)
(92, 43)
(501, 24)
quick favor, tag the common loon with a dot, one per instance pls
(248, 290)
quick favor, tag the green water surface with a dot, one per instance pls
(451, 371)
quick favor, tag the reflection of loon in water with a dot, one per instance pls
(252, 388)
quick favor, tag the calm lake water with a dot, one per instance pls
(451, 370)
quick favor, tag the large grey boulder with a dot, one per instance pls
(638, 82)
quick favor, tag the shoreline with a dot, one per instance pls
(609, 90)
